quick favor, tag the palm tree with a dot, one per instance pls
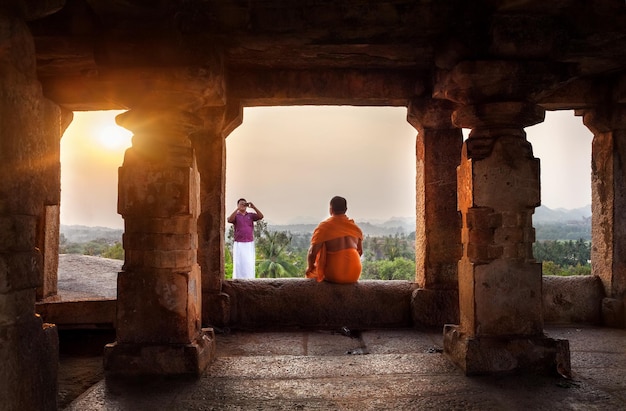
(273, 258)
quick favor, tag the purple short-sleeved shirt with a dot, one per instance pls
(244, 227)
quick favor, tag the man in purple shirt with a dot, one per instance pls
(243, 245)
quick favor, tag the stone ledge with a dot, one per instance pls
(285, 303)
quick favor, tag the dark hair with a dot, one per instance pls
(339, 205)
(241, 199)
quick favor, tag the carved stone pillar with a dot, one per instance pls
(159, 290)
(30, 132)
(608, 204)
(500, 296)
(500, 283)
(438, 224)
(210, 148)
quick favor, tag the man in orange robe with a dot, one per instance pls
(336, 247)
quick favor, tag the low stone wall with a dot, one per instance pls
(286, 303)
(571, 300)
(302, 303)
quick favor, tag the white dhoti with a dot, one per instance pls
(243, 260)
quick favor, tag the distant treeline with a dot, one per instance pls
(563, 248)
(564, 231)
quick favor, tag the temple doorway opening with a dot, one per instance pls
(290, 161)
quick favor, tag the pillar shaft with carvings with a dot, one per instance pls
(437, 239)
(159, 290)
(608, 204)
(500, 283)
(210, 147)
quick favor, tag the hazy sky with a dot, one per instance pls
(290, 161)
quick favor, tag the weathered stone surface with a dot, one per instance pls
(29, 357)
(170, 306)
(435, 307)
(20, 270)
(306, 303)
(151, 359)
(575, 299)
(489, 355)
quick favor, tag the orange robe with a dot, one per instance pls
(343, 266)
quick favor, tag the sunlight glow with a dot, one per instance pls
(113, 137)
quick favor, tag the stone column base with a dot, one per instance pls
(503, 355)
(129, 360)
(434, 308)
(613, 312)
(215, 309)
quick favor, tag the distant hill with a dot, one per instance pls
(395, 225)
(544, 214)
(549, 224)
(84, 234)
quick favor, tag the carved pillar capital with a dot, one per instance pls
(428, 113)
(604, 119)
(480, 81)
(161, 135)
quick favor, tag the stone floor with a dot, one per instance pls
(372, 370)
(325, 370)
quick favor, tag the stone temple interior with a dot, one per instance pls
(183, 70)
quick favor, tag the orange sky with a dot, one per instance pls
(291, 160)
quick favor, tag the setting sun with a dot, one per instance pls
(113, 137)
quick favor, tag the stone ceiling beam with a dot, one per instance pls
(188, 88)
(302, 87)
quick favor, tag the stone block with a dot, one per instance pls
(18, 232)
(215, 309)
(176, 259)
(613, 312)
(145, 359)
(506, 354)
(507, 298)
(262, 304)
(29, 358)
(166, 225)
(572, 300)
(20, 270)
(169, 312)
(17, 306)
(152, 191)
(434, 308)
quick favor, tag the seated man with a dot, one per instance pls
(336, 247)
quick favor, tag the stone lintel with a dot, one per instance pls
(505, 354)
(355, 87)
(182, 87)
(575, 95)
(145, 359)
